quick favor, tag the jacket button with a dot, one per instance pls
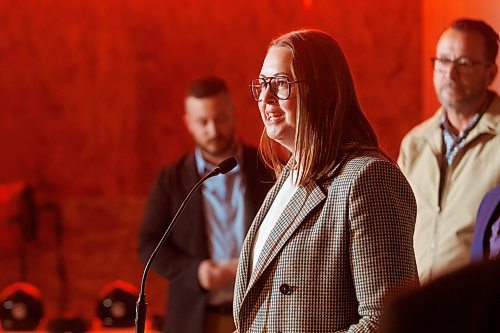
(285, 289)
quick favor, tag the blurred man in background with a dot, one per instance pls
(452, 159)
(200, 256)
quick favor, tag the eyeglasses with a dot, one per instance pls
(280, 87)
(463, 65)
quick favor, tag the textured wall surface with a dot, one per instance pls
(91, 103)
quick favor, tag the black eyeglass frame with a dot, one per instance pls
(267, 81)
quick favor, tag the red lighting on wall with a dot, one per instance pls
(308, 5)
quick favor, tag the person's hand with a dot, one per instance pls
(216, 274)
(230, 266)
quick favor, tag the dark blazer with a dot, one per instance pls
(487, 214)
(187, 245)
(341, 246)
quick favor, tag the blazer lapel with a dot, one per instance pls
(245, 255)
(302, 203)
(193, 217)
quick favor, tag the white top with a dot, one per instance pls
(282, 198)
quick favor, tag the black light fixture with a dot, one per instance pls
(21, 307)
(116, 305)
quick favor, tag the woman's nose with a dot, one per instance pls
(268, 95)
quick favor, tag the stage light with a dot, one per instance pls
(22, 309)
(116, 306)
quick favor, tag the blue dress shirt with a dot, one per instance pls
(224, 210)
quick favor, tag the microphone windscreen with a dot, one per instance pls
(227, 165)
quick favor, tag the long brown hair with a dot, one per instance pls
(329, 116)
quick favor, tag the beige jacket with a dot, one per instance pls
(443, 232)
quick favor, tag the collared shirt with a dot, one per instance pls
(225, 211)
(452, 142)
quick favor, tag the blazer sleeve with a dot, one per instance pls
(382, 214)
(171, 261)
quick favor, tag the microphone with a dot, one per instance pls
(141, 305)
(224, 167)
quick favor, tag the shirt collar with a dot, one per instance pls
(203, 166)
(445, 125)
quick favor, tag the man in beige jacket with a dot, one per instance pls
(452, 159)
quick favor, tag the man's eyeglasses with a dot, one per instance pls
(281, 87)
(463, 65)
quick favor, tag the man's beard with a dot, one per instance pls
(459, 98)
(217, 147)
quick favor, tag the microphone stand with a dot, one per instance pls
(141, 305)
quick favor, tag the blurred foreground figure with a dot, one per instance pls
(464, 301)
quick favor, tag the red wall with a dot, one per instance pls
(91, 103)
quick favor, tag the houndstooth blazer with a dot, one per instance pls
(340, 248)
